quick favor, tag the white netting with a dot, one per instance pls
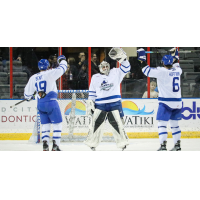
(36, 130)
(76, 124)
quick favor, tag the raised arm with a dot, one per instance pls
(119, 54)
(60, 70)
(146, 69)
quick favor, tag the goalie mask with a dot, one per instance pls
(104, 68)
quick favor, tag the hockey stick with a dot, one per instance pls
(23, 101)
(187, 51)
(18, 103)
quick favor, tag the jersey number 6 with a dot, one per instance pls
(175, 85)
(42, 85)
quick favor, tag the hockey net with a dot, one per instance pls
(76, 123)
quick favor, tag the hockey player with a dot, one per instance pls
(105, 101)
(44, 83)
(170, 102)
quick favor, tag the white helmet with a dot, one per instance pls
(107, 68)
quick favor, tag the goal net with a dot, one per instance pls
(76, 123)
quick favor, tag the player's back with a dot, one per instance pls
(169, 86)
(44, 81)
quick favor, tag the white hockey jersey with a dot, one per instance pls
(106, 89)
(168, 84)
(45, 81)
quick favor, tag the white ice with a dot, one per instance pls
(135, 145)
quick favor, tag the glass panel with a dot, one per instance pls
(134, 84)
(190, 64)
(95, 59)
(25, 64)
(4, 73)
(190, 79)
(76, 76)
(155, 61)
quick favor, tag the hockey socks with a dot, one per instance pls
(57, 129)
(45, 132)
(176, 131)
(162, 130)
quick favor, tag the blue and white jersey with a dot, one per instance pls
(45, 81)
(106, 89)
(168, 84)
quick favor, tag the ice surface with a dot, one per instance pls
(135, 145)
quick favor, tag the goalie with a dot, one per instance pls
(105, 101)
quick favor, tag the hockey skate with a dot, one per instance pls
(55, 146)
(177, 146)
(124, 148)
(45, 146)
(93, 148)
(163, 146)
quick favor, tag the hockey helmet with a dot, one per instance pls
(167, 60)
(43, 64)
(104, 68)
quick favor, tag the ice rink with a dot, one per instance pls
(135, 145)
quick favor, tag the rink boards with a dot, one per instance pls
(140, 118)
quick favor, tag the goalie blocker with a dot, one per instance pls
(96, 132)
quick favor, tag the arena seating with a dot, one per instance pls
(190, 76)
(19, 90)
(3, 78)
(4, 91)
(17, 66)
(187, 65)
(19, 78)
(1, 67)
(185, 90)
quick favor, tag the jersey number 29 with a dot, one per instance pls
(175, 85)
(41, 86)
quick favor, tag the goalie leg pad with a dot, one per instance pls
(45, 132)
(57, 129)
(119, 133)
(96, 132)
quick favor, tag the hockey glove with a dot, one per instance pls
(90, 108)
(118, 54)
(174, 53)
(29, 98)
(141, 54)
(60, 58)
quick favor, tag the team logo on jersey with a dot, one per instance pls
(105, 85)
(80, 108)
(130, 108)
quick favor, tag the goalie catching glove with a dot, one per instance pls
(118, 54)
(90, 107)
